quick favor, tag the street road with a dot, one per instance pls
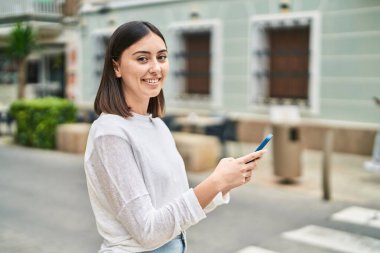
(44, 208)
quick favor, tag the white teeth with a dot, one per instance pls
(153, 81)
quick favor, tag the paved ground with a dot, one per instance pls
(262, 211)
(44, 205)
(349, 181)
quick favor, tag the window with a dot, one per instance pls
(289, 63)
(33, 71)
(197, 58)
(101, 43)
(48, 73)
(56, 74)
(196, 63)
(8, 69)
(285, 61)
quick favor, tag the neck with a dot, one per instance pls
(138, 105)
(137, 102)
(140, 111)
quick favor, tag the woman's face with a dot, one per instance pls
(143, 68)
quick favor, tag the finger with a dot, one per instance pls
(253, 161)
(257, 156)
(251, 157)
(228, 159)
(243, 178)
(249, 167)
(247, 173)
(246, 178)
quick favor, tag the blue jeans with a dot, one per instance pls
(177, 245)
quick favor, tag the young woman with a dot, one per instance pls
(136, 178)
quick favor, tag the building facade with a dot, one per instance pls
(248, 56)
(52, 67)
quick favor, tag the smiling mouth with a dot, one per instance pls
(153, 81)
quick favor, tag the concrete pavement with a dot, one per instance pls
(45, 208)
(44, 204)
(261, 212)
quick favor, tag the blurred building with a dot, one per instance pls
(247, 55)
(52, 68)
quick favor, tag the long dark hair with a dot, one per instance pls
(110, 96)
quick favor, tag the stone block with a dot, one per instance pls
(72, 137)
(251, 131)
(200, 152)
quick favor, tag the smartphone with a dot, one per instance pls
(262, 144)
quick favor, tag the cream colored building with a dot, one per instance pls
(321, 56)
(53, 67)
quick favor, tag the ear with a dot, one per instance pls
(116, 68)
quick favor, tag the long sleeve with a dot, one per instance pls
(120, 182)
(217, 201)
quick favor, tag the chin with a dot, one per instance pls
(155, 94)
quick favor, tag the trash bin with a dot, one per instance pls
(287, 151)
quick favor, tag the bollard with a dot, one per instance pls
(328, 148)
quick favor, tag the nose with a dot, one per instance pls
(154, 67)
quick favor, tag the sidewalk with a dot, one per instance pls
(349, 181)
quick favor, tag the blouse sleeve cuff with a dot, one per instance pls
(219, 199)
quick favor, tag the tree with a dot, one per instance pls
(21, 42)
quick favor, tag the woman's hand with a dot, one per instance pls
(231, 173)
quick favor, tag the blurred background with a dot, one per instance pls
(305, 70)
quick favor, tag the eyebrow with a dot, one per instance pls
(147, 52)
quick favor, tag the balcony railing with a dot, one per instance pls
(30, 7)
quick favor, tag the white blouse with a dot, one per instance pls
(137, 184)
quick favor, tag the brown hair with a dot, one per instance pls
(110, 96)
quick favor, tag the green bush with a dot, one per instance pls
(38, 119)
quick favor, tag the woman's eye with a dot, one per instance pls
(162, 57)
(142, 59)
